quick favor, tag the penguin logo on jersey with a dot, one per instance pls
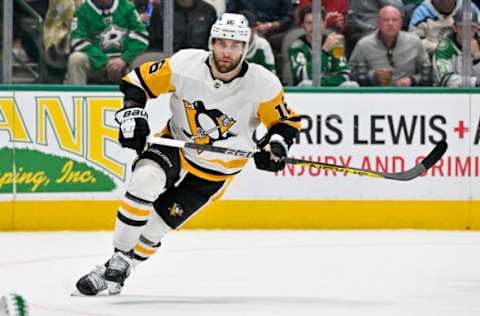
(175, 210)
(207, 126)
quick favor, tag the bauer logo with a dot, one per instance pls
(59, 144)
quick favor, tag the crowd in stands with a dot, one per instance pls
(399, 43)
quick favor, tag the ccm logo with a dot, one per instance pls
(240, 153)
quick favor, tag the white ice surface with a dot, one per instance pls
(255, 273)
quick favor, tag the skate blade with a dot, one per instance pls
(77, 293)
(113, 288)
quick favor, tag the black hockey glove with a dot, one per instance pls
(271, 156)
(134, 128)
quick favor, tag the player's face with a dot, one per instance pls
(227, 54)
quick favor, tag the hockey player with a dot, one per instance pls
(217, 98)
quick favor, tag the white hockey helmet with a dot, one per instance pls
(231, 26)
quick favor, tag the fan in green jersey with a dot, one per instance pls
(259, 49)
(447, 58)
(335, 69)
(105, 36)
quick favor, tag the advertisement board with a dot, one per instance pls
(61, 146)
(381, 132)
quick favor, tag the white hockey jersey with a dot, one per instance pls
(208, 111)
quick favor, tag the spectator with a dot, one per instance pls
(335, 70)
(447, 58)
(56, 32)
(40, 6)
(336, 12)
(145, 9)
(191, 27)
(274, 17)
(106, 36)
(259, 50)
(362, 19)
(410, 6)
(27, 28)
(433, 20)
(389, 56)
(219, 5)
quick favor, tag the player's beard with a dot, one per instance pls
(226, 68)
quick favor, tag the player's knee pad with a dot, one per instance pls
(148, 180)
(168, 158)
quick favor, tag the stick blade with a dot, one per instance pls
(435, 155)
(432, 158)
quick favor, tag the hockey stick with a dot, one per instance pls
(432, 158)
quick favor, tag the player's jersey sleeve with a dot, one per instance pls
(153, 78)
(274, 112)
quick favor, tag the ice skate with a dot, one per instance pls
(117, 271)
(92, 283)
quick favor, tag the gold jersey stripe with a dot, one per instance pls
(222, 190)
(144, 251)
(134, 80)
(199, 173)
(230, 164)
(127, 79)
(163, 132)
(134, 210)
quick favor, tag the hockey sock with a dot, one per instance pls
(150, 239)
(132, 216)
(144, 249)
